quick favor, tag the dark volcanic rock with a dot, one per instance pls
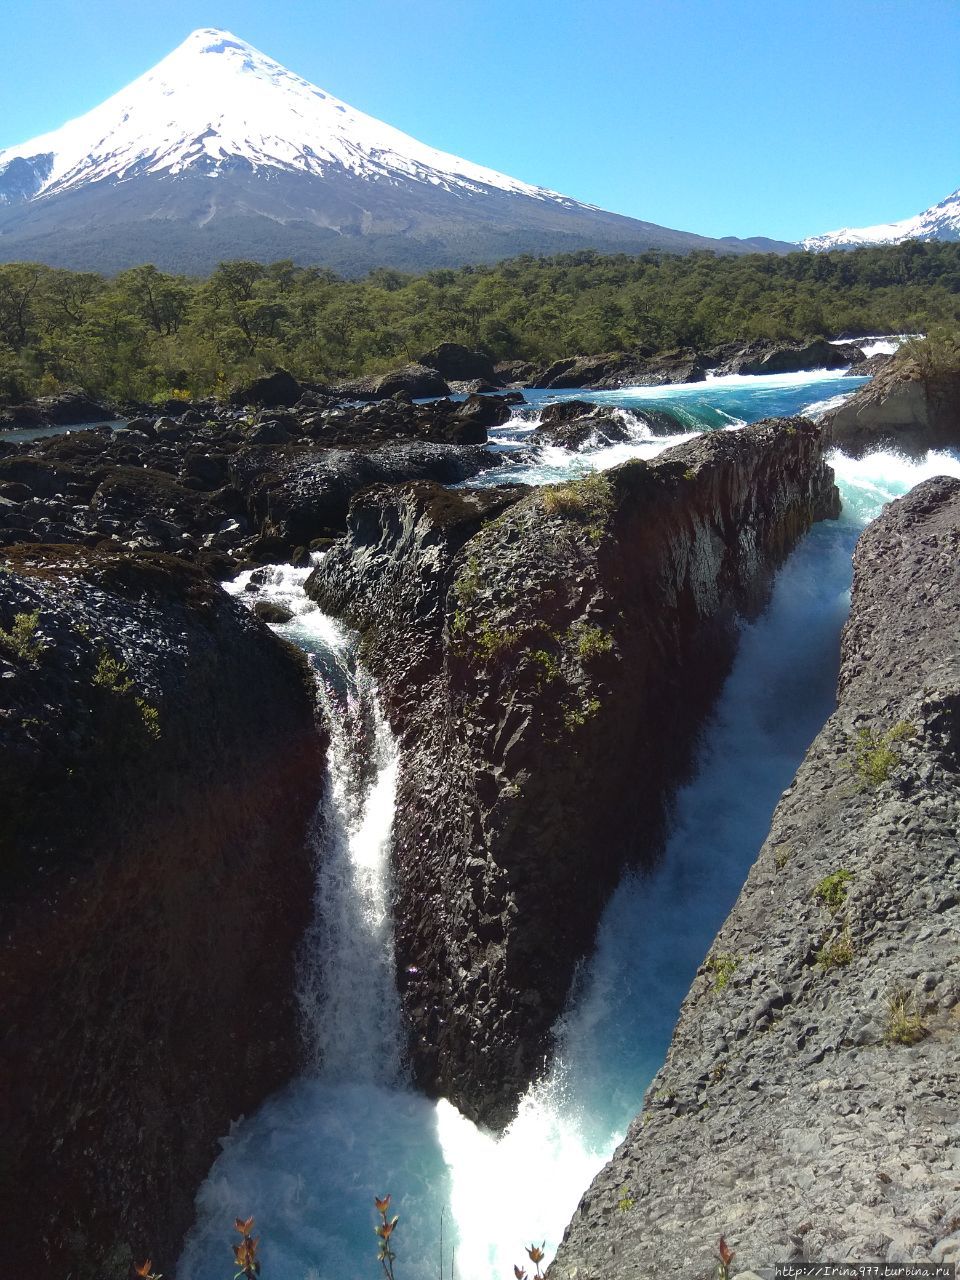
(194, 486)
(622, 369)
(870, 365)
(278, 388)
(297, 495)
(160, 764)
(577, 425)
(900, 408)
(788, 1116)
(69, 408)
(773, 357)
(580, 371)
(539, 654)
(484, 411)
(514, 372)
(459, 364)
(416, 379)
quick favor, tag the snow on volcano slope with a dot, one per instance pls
(939, 222)
(220, 152)
(216, 100)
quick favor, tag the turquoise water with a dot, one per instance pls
(715, 405)
(310, 1161)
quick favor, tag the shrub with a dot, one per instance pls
(874, 755)
(110, 674)
(832, 889)
(576, 717)
(22, 640)
(590, 641)
(836, 954)
(904, 1026)
(722, 965)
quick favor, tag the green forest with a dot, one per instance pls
(146, 335)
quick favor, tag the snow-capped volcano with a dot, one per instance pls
(216, 100)
(939, 222)
(220, 151)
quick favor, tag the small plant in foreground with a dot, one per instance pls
(726, 1255)
(22, 640)
(536, 1255)
(145, 1273)
(626, 1201)
(722, 965)
(385, 1255)
(904, 1026)
(832, 889)
(245, 1252)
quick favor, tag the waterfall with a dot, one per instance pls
(351, 1127)
(309, 1163)
(347, 988)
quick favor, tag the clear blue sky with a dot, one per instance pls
(774, 117)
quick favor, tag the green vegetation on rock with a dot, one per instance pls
(589, 501)
(832, 889)
(904, 1024)
(722, 964)
(874, 754)
(22, 640)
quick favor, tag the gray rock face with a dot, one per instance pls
(160, 765)
(901, 409)
(538, 653)
(807, 1108)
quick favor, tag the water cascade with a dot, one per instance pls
(309, 1163)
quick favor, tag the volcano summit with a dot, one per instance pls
(220, 152)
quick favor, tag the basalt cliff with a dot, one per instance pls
(161, 763)
(807, 1107)
(547, 658)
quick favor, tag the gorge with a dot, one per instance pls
(411, 697)
(305, 1160)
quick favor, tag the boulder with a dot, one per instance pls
(514, 372)
(807, 1108)
(578, 425)
(161, 764)
(418, 381)
(868, 366)
(71, 408)
(537, 653)
(900, 408)
(767, 357)
(484, 411)
(277, 389)
(580, 371)
(457, 363)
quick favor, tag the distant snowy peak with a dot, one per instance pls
(940, 222)
(215, 103)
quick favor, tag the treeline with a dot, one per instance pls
(144, 334)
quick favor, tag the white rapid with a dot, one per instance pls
(310, 1161)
